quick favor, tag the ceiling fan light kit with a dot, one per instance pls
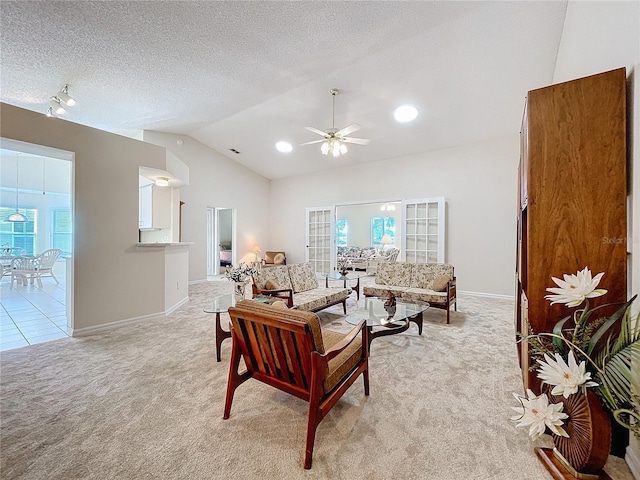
(334, 140)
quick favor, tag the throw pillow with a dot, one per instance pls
(279, 304)
(271, 285)
(440, 283)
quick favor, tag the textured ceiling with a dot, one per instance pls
(244, 75)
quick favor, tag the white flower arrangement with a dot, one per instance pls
(240, 274)
(566, 379)
(343, 264)
(605, 354)
(537, 413)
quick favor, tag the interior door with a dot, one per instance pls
(320, 238)
(212, 259)
(424, 230)
(220, 239)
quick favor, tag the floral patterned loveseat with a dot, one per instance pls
(356, 256)
(422, 282)
(297, 285)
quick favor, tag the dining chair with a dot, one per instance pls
(26, 268)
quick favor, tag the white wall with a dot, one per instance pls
(597, 37)
(217, 181)
(479, 183)
(113, 280)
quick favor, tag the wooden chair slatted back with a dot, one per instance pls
(274, 347)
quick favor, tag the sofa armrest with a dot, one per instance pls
(284, 293)
(451, 287)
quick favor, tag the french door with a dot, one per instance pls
(320, 238)
(424, 230)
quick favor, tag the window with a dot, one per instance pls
(19, 234)
(381, 226)
(62, 230)
(342, 231)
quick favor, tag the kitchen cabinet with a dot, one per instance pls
(154, 205)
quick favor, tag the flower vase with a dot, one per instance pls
(343, 273)
(586, 451)
(238, 290)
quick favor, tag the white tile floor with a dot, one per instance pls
(30, 315)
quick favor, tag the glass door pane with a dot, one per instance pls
(320, 238)
(424, 230)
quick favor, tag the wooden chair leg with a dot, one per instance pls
(314, 420)
(234, 380)
(365, 376)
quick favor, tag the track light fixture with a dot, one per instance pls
(55, 104)
(64, 96)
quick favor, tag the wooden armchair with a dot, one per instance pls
(274, 258)
(287, 350)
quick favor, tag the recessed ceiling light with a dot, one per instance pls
(405, 113)
(284, 147)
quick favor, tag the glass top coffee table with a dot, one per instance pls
(387, 320)
(349, 276)
(221, 304)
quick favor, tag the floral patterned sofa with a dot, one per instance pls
(422, 282)
(297, 285)
(356, 256)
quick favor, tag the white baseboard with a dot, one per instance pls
(79, 332)
(633, 460)
(488, 295)
(176, 306)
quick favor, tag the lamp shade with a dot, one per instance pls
(16, 217)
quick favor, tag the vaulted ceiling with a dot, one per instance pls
(245, 74)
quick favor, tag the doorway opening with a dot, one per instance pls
(221, 240)
(37, 181)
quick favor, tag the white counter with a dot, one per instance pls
(162, 244)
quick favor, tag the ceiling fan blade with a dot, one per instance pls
(315, 130)
(348, 129)
(359, 141)
(315, 141)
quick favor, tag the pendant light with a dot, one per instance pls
(17, 216)
(44, 176)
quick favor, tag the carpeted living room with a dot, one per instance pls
(397, 190)
(146, 401)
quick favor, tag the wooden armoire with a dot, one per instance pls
(572, 198)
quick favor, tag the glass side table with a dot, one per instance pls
(349, 276)
(221, 304)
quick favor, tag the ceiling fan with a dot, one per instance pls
(334, 140)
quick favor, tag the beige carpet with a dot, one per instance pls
(146, 401)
